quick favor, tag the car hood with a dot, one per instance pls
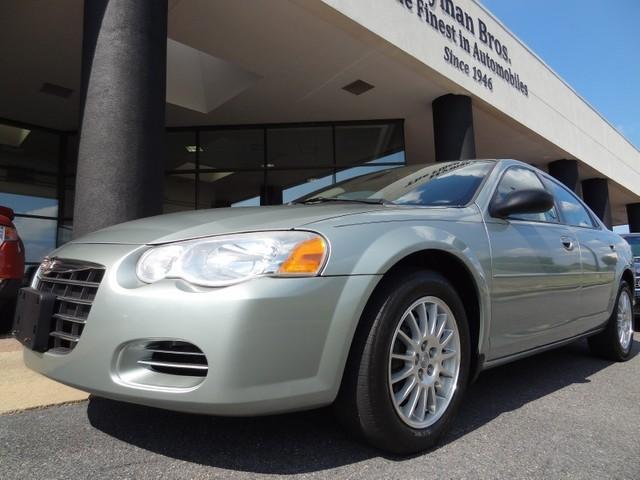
(201, 223)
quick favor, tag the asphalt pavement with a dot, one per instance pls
(561, 414)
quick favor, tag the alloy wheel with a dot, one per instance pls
(625, 320)
(424, 362)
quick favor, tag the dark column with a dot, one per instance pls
(453, 128)
(270, 195)
(633, 216)
(595, 193)
(121, 152)
(567, 172)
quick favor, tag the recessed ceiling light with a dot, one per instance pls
(13, 136)
(57, 90)
(358, 87)
(193, 148)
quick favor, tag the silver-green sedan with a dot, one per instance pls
(384, 295)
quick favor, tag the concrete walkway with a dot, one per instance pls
(21, 388)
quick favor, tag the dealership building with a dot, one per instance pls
(117, 109)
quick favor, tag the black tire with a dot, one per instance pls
(364, 403)
(606, 344)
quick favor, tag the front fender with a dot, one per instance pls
(374, 248)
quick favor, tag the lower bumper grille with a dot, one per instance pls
(75, 285)
(175, 358)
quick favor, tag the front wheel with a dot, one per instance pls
(615, 341)
(409, 364)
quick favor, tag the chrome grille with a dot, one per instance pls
(175, 358)
(75, 284)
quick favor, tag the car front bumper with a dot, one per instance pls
(272, 344)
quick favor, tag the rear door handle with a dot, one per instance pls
(567, 243)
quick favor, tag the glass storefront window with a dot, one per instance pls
(36, 150)
(38, 236)
(30, 205)
(368, 143)
(235, 149)
(65, 232)
(207, 167)
(297, 147)
(28, 162)
(181, 151)
(179, 192)
(226, 189)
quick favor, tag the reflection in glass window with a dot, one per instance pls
(274, 164)
(65, 233)
(295, 184)
(36, 150)
(38, 236)
(572, 210)
(181, 150)
(179, 193)
(359, 171)
(443, 184)
(242, 148)
(299, 147)
(29, 205)
(226, 189)
(28, 162)
(368, 143)
(250, 202)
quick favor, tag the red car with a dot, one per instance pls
(11, 267)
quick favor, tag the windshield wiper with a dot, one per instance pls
(369, 201)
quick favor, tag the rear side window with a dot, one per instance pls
(518, 178)
(570, 207)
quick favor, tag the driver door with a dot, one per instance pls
(536, 273)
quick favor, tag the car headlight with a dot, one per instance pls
(229, 259)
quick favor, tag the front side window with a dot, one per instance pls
(519, 178)
(443, 184)
(573, 212)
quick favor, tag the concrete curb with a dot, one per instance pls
(41, 407)
(23, 389)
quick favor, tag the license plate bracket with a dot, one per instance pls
(33, 317)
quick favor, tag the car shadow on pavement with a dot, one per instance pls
(313, 441)
(511, 386)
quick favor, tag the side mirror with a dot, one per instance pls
(7, 212)
(522, 201)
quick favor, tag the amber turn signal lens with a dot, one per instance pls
(306, 259)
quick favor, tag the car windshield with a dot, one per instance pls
(442, 184)
(635, 245)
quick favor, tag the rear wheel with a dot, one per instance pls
(409, 364)
(616, 341)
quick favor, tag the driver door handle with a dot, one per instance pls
(567, 243)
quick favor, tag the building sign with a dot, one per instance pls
(480, 54)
